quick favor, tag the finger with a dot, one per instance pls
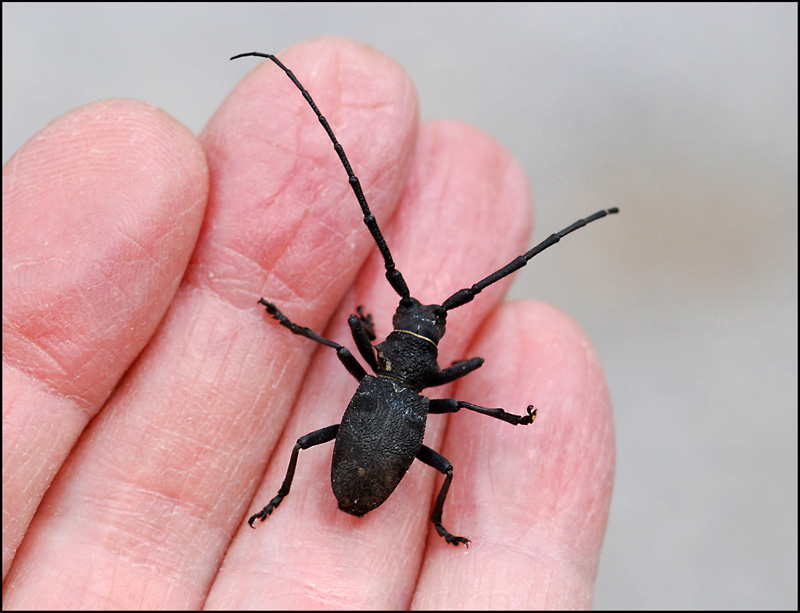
(100, 213)
(463, 186)
(168, 471)
(535, 497)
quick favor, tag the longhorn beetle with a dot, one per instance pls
(382, 428)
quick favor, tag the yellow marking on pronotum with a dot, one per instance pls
(424, 338)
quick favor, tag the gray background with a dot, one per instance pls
(684, 116)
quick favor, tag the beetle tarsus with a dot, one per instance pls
(266, 511)
(367, 322)
(449, 538)
(529, 418)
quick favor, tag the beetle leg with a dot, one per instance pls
(317, 437)
(456, 371)
(451, 405)
(343, 353)
(367, 322)
(363, 331)
(439, 462)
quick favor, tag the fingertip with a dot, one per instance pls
(101, 211)
(538, 355)
(280, 192)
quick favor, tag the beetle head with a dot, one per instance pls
(426, 320)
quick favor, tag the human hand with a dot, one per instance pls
(144, 381)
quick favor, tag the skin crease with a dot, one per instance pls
(159, 403)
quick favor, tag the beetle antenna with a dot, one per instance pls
(392, 274)
(462, 297)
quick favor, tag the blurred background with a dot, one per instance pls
(683, 116)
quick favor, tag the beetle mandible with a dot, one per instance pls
(382, 428)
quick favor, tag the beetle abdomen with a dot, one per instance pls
(378, 439)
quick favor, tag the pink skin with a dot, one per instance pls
(112, 311)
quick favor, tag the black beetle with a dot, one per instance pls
(382, 428)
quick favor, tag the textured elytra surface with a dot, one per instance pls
(379, 437)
